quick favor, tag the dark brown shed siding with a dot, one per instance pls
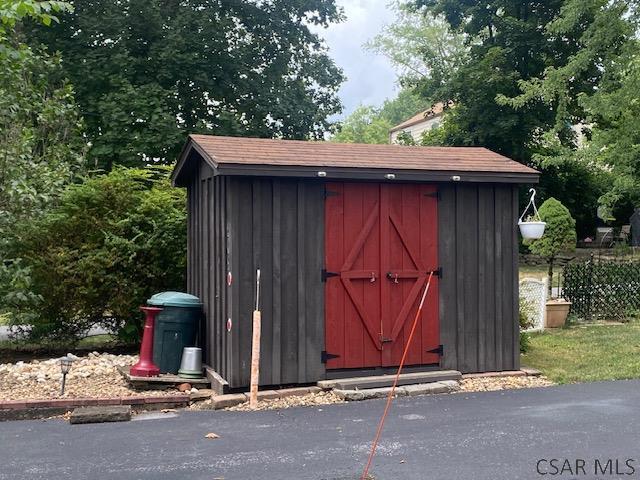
(479, 288)
(277, 225)
(207, 259)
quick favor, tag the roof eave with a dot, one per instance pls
(402, 126)
(376, 174)
(184, 158)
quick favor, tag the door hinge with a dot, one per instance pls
(437, 272)
(439, 350)
(325, 274)
(435, 194)
(330, 193)
(325, 356)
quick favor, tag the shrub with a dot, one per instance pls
(524, 318)
(110, 243)
(559, 235)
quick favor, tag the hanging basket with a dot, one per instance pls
(532, 227)
(532, 230)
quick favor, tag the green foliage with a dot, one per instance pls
(615, 112)
(560, 232)
(423, 48)
(524, 318)
(41, 143)
(110, 243)
(406, 104)
(575, 179)
(371, 125)
(14, 11)
(364, 125)
(146, 72)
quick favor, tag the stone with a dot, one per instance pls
(431, 388)
(100, 414)
(183, 387)
(369, 393)
(228, 400)
(265, 394)
(294, 392)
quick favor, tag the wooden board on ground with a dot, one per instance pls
(162, 380)
(380, 381)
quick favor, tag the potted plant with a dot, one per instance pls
(560, 236)
(532, 227)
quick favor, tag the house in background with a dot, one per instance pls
(419, 123)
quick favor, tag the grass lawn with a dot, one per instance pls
(586, 353)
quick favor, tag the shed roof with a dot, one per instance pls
(297, 158)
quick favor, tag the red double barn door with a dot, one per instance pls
(380, 245)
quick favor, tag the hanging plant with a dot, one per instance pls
(532, 227)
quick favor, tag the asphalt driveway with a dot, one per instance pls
(494, 435)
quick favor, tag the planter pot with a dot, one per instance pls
(557, 312)
(532, 230)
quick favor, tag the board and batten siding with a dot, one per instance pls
(478, 250)
(239, 224)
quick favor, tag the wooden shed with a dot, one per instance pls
(345, 236)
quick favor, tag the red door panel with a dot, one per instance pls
(380, 240)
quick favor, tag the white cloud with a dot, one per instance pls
(370, 77)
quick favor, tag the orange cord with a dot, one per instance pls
(374, 446)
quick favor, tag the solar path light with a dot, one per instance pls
(65, 366)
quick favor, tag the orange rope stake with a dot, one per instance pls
(374, 446)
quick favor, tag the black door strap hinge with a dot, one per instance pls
(439, 350)
(437, 272)
(325, 356)
(325, 274)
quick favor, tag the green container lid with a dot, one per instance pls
(174, 299)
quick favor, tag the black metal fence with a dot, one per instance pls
(603, 289)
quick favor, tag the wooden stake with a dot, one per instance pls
(255, 348)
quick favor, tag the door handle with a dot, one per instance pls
(393, 277)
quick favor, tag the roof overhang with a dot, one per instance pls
(192, 153)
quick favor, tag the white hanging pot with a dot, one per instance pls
(532, 230)
(533, 227)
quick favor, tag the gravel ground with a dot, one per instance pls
(92, 376)
(328, 397)
(487, 384)
(310, 400)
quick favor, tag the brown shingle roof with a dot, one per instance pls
(232, 154)
(435, 111)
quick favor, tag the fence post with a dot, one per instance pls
(590, 287)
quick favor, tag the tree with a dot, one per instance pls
(364, 125)
(368, 124)
(41, 142)
(559, 235)
(423, 48)
(110, 243)
(146, 72)
(507, 44)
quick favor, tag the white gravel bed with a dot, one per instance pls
(94, 375)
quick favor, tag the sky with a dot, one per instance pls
(370, 77)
